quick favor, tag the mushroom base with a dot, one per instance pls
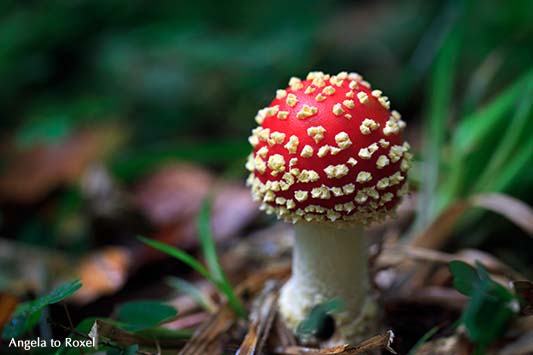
(330, 263)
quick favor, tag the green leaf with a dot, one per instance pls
(162, 333)
(512, 174)
(131, 350)
(465, 277)
(490, 307)
(315, 323)
(139, 315)
(487, 313)
(44, 130)
(509, 142)
(28, 314)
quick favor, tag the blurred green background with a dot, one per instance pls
(182, 80)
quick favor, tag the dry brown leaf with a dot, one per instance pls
(207, 336)
(8, 303)
(103, 272)
(173, 193)
(512, 208)
(172, 196)
(436, 234)
(188, 321)
(381, 341)
(31, 174)
(402, 254)
(102, 331)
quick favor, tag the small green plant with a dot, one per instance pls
(319, 323)
(28, 314)
(214, 272)
(490, 308)
(140, 315)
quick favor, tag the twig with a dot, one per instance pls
(381, 341)
(71, 324)
(85, 336)
(262, 317)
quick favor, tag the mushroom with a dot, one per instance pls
(329, 157)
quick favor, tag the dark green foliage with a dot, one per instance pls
(490, 308)
(130, 350)
(465, 277)
(28, 314)
(139, 315)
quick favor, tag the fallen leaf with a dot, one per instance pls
(512, 208)
(207, 336)
(171, 199)
(102, 331)
(436, 234)
(381, 341)
(30, 174)
(261, 320)
(173, 194)
(206, 339)
(8, 303)
(102, 272)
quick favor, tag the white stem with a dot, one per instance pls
(328, 263)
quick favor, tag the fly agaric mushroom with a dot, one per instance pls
(329, 156)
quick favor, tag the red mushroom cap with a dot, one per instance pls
(329, 149)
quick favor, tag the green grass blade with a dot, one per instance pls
(513, 169)
(472, 129)
(510, 140)
(188, 288)
(469, 137)
(181, 256)
(435, 127)
(207, 242)
(423, 340)
(481, 80)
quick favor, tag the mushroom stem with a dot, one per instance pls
(330, 263)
